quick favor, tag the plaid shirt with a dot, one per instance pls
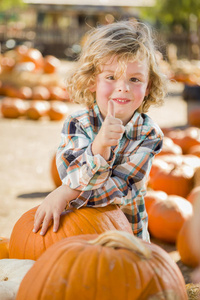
(120, 180)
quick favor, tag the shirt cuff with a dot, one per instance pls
(81, 200)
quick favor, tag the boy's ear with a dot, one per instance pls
(92, 88)
(148, 88)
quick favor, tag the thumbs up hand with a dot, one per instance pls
(110, 133)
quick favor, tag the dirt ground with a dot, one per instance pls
(26, 152)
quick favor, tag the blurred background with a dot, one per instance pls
(40, 41)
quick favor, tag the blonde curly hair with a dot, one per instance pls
(128, 41)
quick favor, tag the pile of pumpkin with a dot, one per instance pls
(13, 108)
(94, 255)
(31, 86)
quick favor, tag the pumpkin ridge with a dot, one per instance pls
(111, 219)
(87, 219)
(25, 241)
(60, 258)
(28, 239)
(68, 249)
(72, 213)
(164, 262)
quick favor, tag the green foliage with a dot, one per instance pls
(167, 13)
(8, 4)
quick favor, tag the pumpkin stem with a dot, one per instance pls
(122, 239)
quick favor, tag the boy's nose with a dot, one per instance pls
(123, 86)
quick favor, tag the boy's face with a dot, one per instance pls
(127, 89)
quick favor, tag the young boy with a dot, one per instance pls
(107, 149)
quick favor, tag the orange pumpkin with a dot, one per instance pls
(12, 107)
(7, 64)
(51, 64)
(194, 117)
(54, 172)
(173, 174)
(4, 247)
(37, 109)
(195, 150)
(25, 92)
(87, 220)
(194, 230)
(112, 266)
(32, 55)
(57, 111)
(183, 245)
(40, 92)
(169, 147)
(167, 217)
(153, 196)
(58, 93)
(185, 138)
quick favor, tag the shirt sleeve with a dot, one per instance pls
(77, 166)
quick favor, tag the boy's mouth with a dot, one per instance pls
(121, 100)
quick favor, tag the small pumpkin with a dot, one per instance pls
(12, 107)
(185, 138)
(58, 93)
(194, 117)
(57, 111)
(167, 217)
(37, 109)
(4, 246)
(12, 272)
(113, 265)
(195, 150)
(32, 55)
(25, 244)
(54, 172)
(169, 147)
(153, 196)
(183, 245)
(40, 92)
(51, 64)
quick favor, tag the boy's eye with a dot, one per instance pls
(133, 79)
(111, 77)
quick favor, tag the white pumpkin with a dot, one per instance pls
(12, 271)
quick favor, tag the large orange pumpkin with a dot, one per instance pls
(26, 244)
(4, 245)
(167, 217)
(183, 245)
(114, 266)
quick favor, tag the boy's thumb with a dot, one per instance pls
(111, 108)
